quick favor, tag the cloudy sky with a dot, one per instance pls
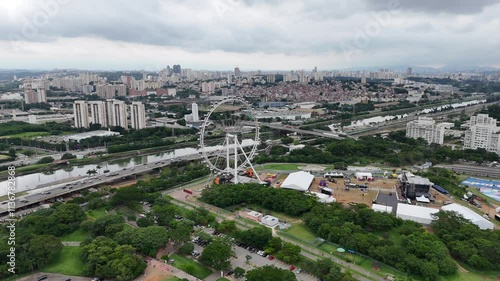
(251, 34)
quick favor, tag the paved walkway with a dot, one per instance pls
(71, 243)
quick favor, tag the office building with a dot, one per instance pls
(427, 129)
(483, 133)
(81, 114)
(271, 78)
(363, 79)
(137, 116)
(408, 71)
(237, 72)
(194, 109)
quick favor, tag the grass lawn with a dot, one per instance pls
(68, 262)
(282, 167)
(190, 266)
(77, 235)
(27, 135)
(4, 157)
(302, 232)
(172, 278)
(124, 211)
(95, 214)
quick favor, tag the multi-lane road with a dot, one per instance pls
(75, 185)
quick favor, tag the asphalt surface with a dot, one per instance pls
(492, 172)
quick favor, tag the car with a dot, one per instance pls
(64, 187)
(98, 279)
(271, 258)
(299, 270)
(67, 279)
(230, 273)
(5, 202)
(292, 267)
(43, 277)
(70, 187)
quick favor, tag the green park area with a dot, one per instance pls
(77, 235)
(190, 266)
(282, 167)
(68, 262)
(27, 135)
(95, 214)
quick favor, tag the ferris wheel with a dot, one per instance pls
(229, 137)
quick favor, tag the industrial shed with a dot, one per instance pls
(382, 208)
(472, 216)
(269, 221)
(300, 181)
(414, 213)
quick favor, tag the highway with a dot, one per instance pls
(67, 188)
(318, 133)
(491, 172)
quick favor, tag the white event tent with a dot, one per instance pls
(300, 181)
(414, 213)
(467, 213)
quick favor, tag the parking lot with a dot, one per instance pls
(256, 260)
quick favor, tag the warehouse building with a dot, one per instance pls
(470, 215)
(423, 215)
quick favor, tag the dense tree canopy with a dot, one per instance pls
(270, 273)
(280, 200)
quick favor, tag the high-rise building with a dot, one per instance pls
(408, 71)
(271, 78)
(177, 69)
(427, 129)
(237, 72)
(363, 79)
(137, 116)
(38, 96)
(194, 109)
(483, 133)
(119, 114)
(99, 113)
(81, 114)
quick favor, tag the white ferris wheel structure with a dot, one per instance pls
(240, 130)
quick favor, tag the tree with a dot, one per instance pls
(67, 156)
(143, 222)
(105, 258)
(45, 160)
(12, 153)
(257, 237)
(239, 272)
(181, 232)
(181, 122)
(186, 249)
(286, 140)
(217, 255)
(290, 253)
(270, 273)
(226, 226)
(274, 245)
(107, 226)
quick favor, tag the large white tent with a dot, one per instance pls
(414, 213)
(467, 213)
(300, 181)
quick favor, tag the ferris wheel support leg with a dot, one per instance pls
(249, 162)
(235, 159)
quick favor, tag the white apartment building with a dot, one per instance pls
(427, 129)
(194, 109)
(38, 96)
(119, 114)
(81, 114)
(484, 133)
(137, 116)
(99, 113)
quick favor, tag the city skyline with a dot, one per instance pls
(250, 34)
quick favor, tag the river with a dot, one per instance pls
(33, 181)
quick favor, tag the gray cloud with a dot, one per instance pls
(298, 28)
(434, 6)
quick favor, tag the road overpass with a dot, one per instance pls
(318, 133)
(67, 188)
